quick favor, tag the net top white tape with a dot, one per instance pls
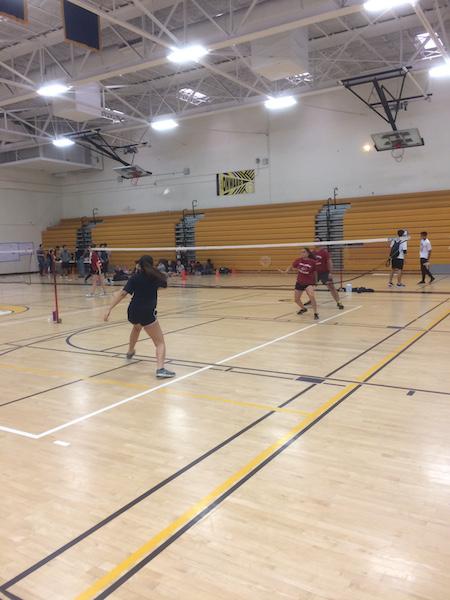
(250, 246)
(21, 252)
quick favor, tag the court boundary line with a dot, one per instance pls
(104, 409)
(256, 372)
(112, 516)
(135, 561)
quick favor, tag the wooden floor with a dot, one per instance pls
(290, 459)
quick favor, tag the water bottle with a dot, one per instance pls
(348, 288)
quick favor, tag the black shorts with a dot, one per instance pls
(301, 287)
(325, 277)
(397, 263)
(138, 316)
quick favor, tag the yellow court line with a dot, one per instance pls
(136, 386)
(206, 500)
(244, 403)
(37, 371)
(194, 510)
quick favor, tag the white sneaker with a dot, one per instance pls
(90, 295)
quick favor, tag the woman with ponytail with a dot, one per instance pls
(306, 280)
(143, 287)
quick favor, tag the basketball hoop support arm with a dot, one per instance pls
(390, 103)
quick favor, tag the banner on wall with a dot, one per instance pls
(234, 183)
(81, 26)
(15, 9)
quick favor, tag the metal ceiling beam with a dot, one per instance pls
(432, 33)
(225, 43)
(110, 17)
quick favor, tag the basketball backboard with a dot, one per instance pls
(396, 140)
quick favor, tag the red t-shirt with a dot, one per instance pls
(96, 263)
(306, 268)
(322, 258)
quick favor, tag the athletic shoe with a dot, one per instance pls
(401, 285)
(340, 306)
(316, 317)
(432, 279)
(421, 282)
(164, 374)
(390, 285)
(302, 311)
(90, 295)
(130, 354)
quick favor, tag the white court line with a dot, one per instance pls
(37, 436)
(33, 436)
(188, 375)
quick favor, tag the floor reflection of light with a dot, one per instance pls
(394, 566)
(439, 473)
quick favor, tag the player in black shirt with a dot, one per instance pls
(143, 287)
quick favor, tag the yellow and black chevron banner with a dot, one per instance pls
(236, 182)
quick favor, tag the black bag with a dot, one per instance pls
(395, 250)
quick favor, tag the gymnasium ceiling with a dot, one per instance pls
(136, 79)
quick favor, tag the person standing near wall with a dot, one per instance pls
(40, 254)
(425, 255)
(65, 261)
(79, 259)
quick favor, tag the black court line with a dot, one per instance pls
(134, 362)
(167, 332)
(124, 578)
(56, 387)
(287, 288)
(39, 564)
(9, 351)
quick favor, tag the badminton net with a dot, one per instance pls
(17, 262)
(263, 262)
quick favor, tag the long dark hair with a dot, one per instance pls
(310, 254)
(146, 266)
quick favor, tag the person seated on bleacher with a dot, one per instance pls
(162, 267)
(179, 267)
(198, 268)
(209, 268)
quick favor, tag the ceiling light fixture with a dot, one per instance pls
(164, 125)
(280, 102)
(53, 90)
(187, 54)
(367, 147)
(440, 71)
(380, 5)
(63, 142)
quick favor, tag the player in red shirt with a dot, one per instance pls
(306, 280)
(96, 272)
(324, 267)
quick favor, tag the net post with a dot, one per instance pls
(56, 318)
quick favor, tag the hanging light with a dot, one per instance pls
(164, 125)
(63, 142)
(280, 102)
(187, 54)
(52, 90)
